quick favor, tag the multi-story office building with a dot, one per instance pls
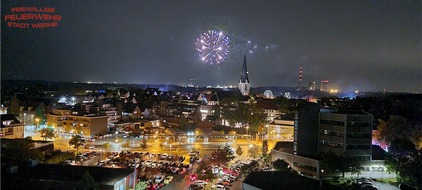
(347, 133)
(86, 125)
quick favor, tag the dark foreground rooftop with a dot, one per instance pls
(51, 176)
(283, 180)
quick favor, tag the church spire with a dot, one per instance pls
(244, 85)
(244, 75)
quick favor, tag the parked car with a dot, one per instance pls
(195, 187)
(159, 179)
(193, 177)
(168, 179)
(200, 182)
(218, 187)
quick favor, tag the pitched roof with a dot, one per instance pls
(8, 117)
(129, 108)
(31, 106)
(219, 95)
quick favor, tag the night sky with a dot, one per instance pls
(356, 45)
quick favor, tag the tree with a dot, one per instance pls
(222, 132)
(184, 124)
(248, 168)
(76, 141)
(257, 118)
(222, 156)
(254, 151)
(239, 150)
(106, 146)
(396, 127)
(229, 153)
(47, 133)
(283, 104)
(404, 159)
(60, 157)
(204, 171)
(88, 182)
(264, 147)
(248, 114)
(142, 185)
(281, 165)
(79, 129)
(351, 165)
(199, 132)
(126, 145)
(229, 105)
(144, 144)
(232, 132)
(331, 162)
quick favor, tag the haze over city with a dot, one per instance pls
(355, 45)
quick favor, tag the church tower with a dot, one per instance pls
(244, 85)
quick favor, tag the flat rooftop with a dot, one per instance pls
(269, 180)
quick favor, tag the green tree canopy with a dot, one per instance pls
(47, 133)
(76, 141)
(199, 132)
(406, 160)
(204, 171)
(222, 156)
(239, 150)
(248, 114)
(254, 151)
(144, 144)
(184, 124)
(106, 146)
(264, 147)
(125, 145)
(248, 168)
(396, 127)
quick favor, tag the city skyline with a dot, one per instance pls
(365, 45)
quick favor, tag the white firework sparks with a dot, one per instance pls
(213, 47)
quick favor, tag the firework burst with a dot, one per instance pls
(213, 47)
